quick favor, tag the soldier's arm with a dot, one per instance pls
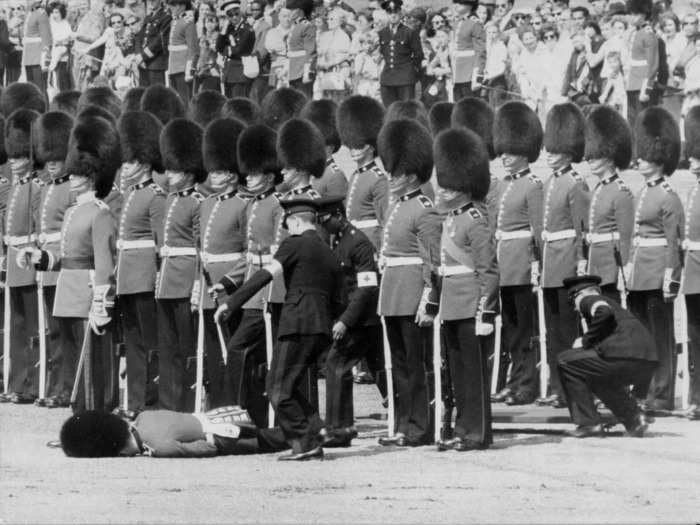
(673, 222)
(579, 203)
(364, 297)
(429, 233)
(104, 233)
(380, 199)
(156, 213)
(535, 210)
(624, 219)
(172, 448)
(601, 318)
(486, 268)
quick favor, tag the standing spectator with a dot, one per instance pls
(89, 28)
(14, 55)
(183, 49)
(502, 15)
(402, 53)
(579, 17)
(675, 42)
(260, 28)
(363, 25)
(529, 67)
(208, 68)
(301, 47)
(483, 14)
(36, 45)
(62, 36)
(152, 42)
(334, 58)
(496, 64)
(554, 67)
(5, 46)
(577, 78)
(367, 67)
(469, 53)
(644, 61)
(438, 70)
(613, 91)
(235, 42)
(276, 46)
(118, 42)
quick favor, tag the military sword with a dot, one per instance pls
(267, 318)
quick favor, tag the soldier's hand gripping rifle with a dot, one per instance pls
(444, 398)
(219, 328)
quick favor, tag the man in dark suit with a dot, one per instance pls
(402, 53)
(235, 41)
(313, 280)
(152, 44)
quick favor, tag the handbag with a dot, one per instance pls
(251, 66)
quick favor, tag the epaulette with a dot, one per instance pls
(377, 171)
(101, 204)
(4, 180)
(666, 186)
(198, 196)
(39, 182)
(475, 214)
(577, 176)
(313, 194)
(277, 195)
(621, 184)
(425, 201)
(156, 188)
(534, 178)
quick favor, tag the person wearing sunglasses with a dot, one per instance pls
(469, 56)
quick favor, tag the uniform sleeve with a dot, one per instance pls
(579, 202)
(535, 198)
(104, 233)
(248, 289)
(429, 234)
(485, 266)
(364, 298)
(673, 223)
(624, 218)
(380, 199)
(181, 449)
(600, 319)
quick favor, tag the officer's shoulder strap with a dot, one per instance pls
(101, 204)
(535, 178)
(277, 195)
(577, 176)
(425, 201)
(377, 171)
(38, 182)
(475, 213)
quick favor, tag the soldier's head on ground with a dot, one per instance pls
(139, 132)
(242, 108)
(257, 158)
(181, 148)
(301, 151)
(66, 101)
(406, 149)
(163, 102)
(517, 133)
(440, 117)
(206, 106)
(657, 141)
(564, 135)
(94, 434)
(323, 114)
(21, 95)
(51, 137)
(461, 166)
(475, 114)
(359, 120)
(608, 141)
(280, 105)
(220, 158)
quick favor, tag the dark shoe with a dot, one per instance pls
(501, 396)
(129, 415)
(54, 443)
(520, 398)
(638, 429)
(41, 401)
(314, 453)
(22, 399)
(57, 402)
(399, 440)
(338, 438)
(585, 431)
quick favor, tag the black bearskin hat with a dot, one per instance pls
(206, 106)
(517, 131)
(440, 117)
(564, 132)
(692, 133)
(91, 110)
(322, 113)
(21, 95)
(66, 101)
(406, 147)
(218, 145)
(257, 151)
(280, 105)
(300, 145)
(359, 120)
(305, 5)
(241, 108)
(658, 138)
(51, 136)
(103, 97)
(462, 162)
(139, 132)
(132, 99)
(608, 136)
(410, 109)
(475, 114)
(163, 102)
(94, 151)
(94, 434)
(18, 133)
(181, 148)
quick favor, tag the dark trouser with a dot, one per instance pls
(611, 292)
(462, 90)
(98, 387)
(657, 315)
(36, 76)
(64, 78)
(214, 368)
(296, 416)
(209, 82)
(237, 89)
(140, 331)
(179, 84)
(692, 305)
(470, 380)
(518, 309)
(150, 77)
(54, 353)
(358, 343)
(176, 348)
(562, 330)
(408, 343)
(305, 87)
(584, 373)
(391, 94)
(24, 346)
(247, 366)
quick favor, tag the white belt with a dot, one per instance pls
(16, 240)
(649, 242)
(691, 246)
(638, 62)
(174, 251)
(458, 269)
(254, 258)
(45, 238)
(558, 236)
(464, 53)
(32, 40)
(221, 257)
(296, 54)
(368, 223)
(135, 244)
(178, 47)
(517, 234)
(388, 262)
(595, 238)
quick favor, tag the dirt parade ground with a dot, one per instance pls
(536, 476)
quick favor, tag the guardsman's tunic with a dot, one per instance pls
(408, 258)
(223, 219)
(655, 268)
(469, 295)
(367, 201)
(183, 52)
(178, 271)
(85, 259)
(641, 71)
(302, 55)
(566, 202)
(333, 181)
(690, 287)
(153, 46)
(140, 231)
(36, 46)
(468, 56)
(610, 225)
(20, 224)
(402, 52)
(56, 198)
(518, 229)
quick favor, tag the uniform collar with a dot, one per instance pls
(84, 198)
(410, 195)
(184, 193)
(265, 194)
(609, 179)
(300, 191)
(655, 181)
(60, 180)
(366, 167)
(518, 174)
(226, 196)
(29, 176)
(562, 171)
(141, 185)
(460, 210)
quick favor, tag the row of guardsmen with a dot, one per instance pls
(83, 250)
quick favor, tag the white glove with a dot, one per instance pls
(28, 255)
(484, 328)
(216, 290)
(670, 286)
(195, 295)
(578, 343)
(99, 312)
(581, 267)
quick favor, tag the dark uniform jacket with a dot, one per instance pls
(614, 332)
(153, 39)
(237, 42)
(402, 53)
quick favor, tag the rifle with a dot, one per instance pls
(542, 329)
(267, 317)
(219, 329)
(620, 269)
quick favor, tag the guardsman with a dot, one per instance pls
(654, 267)
(359, 121)
(223, 238)
(615, 350)
(408, 257)
(564, 218)
(138, 245)
(402, 52)
(206, 107)
(311, 304)
(611, 210)
(280, 105)
(181, 149)
(21, 95)
(690, 282)
(20, 226)
(152, 44)
(301, 47)
(36, 44)
(236, 41)
(518, 140)
(469, 298)
(85, 258)
(468, 51)
(183, 49)
(51, 134)
(163, 102)
(323, 114)
(101, 96)
(247, 366)
(643, 64)
(357, 330)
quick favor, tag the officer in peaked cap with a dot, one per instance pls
(235, 42)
